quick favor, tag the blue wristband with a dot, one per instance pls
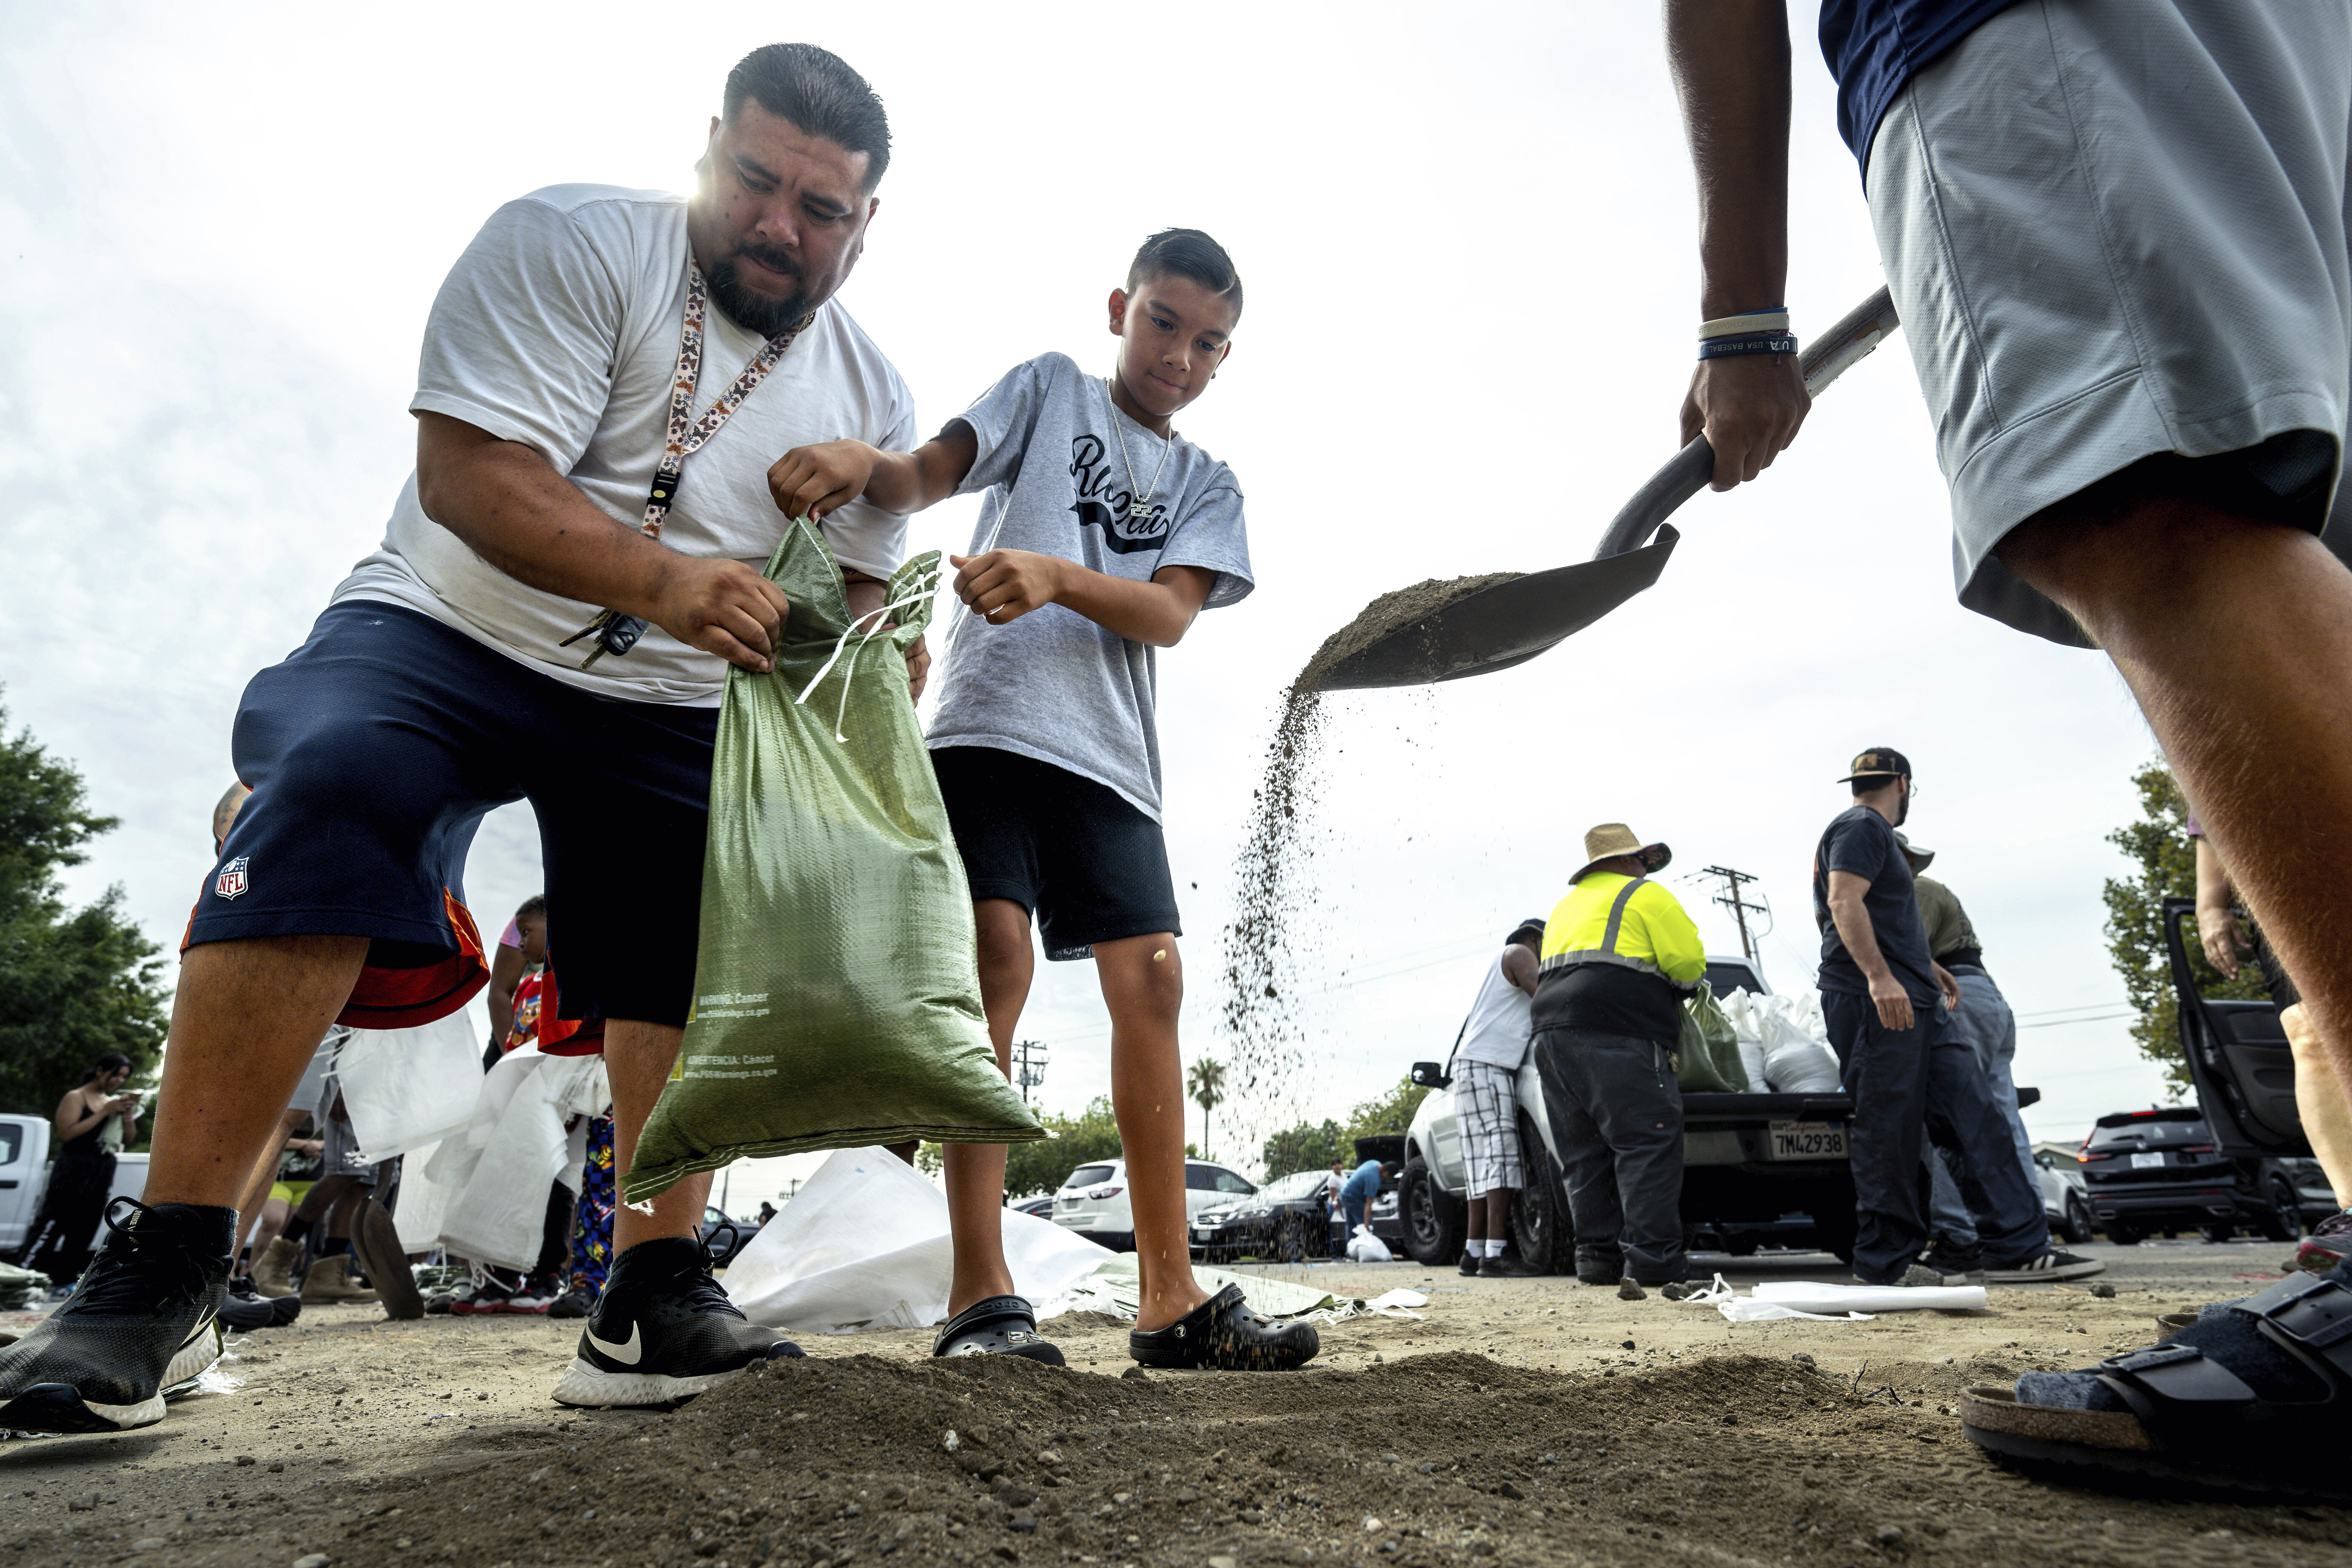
(1752, 343)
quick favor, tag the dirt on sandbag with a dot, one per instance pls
(1273, 892)
(1446, 1459)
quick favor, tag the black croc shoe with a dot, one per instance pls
(1222, 1332)
(1001, 1325)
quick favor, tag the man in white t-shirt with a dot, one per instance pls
(1485, 1067)
(554, 486)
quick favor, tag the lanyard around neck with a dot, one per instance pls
(615, 633)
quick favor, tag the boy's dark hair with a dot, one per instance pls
(816, 91)
(532, 907)
(1188, 253)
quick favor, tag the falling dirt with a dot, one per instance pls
(1273, 890)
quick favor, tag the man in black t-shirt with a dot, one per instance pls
(1884, 998)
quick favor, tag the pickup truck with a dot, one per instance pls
(25, 1176)
(1757, 1168)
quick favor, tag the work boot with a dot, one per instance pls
(664, 1330)
(273, 1272)
(330, 1284)
(143, 1323)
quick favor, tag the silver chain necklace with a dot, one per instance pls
(1137, 505)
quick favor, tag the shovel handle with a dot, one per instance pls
(1825, 359)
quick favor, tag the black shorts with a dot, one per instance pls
(1074, 853)
(375, 749)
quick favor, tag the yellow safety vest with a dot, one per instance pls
(1632, 921)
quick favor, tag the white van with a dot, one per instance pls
(25, 1176)
(1093, 1201)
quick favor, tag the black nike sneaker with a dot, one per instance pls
(142, 1323)
(662, 1330)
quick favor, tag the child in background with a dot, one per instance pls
(1102, 535)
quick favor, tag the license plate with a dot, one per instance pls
(1807, 1140)
(2147, 1161)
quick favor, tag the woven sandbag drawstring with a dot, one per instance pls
(925, 589)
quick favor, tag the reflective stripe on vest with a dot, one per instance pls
(1607, 951)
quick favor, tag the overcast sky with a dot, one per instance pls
(1467, 238)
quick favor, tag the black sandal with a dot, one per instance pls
(2178, 1413)
(1223, 1331)
(1001, 1325)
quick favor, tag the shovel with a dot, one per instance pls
(1512, 622)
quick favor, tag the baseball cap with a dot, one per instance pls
(1533, 924)
(1878, 762)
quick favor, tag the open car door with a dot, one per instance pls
(2237, 1053)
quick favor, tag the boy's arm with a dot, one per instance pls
(1003, 585)
(811, 481)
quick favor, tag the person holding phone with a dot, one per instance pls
(94, 1121)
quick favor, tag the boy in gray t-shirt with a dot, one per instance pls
(1102, 535)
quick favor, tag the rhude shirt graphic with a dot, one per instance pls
(1053, 685)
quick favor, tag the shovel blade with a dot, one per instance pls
(1507, 623)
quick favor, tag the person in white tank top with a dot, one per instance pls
(1486, 1069)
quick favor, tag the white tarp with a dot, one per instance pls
(1776, 1299)
(864, 1245)
(403, 1088)
(516, 1142)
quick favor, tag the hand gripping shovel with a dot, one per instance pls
(1512, 622)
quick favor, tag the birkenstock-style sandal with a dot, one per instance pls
(1001, 1325)
(2251, 1397)
(1223, 1331)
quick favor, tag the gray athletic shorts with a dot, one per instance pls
(2115, 229)
(1485, 1106)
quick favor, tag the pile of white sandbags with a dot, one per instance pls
(1783, 1043)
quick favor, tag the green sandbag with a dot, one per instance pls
(837, 992)
(1708, 1058)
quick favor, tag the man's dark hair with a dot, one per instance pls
(816, 91)
(1875, 783)
(533, 906)
(1188, 253)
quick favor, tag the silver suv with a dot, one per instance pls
(1093, 1201)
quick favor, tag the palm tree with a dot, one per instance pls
(1206, 1084)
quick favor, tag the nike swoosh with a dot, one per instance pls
(625, 1354)
(202, 1325)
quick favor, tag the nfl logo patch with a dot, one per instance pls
(231, 881)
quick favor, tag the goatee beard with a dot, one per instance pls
(766, 314)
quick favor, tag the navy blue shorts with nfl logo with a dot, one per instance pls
(373, 752)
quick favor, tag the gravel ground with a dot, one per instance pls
(1518, 1421)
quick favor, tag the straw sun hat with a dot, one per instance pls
(1614, 839)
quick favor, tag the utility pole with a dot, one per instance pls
(1740, 908)
(1028, 1065)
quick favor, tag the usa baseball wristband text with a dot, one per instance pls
(1748, 343)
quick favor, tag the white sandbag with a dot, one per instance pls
(864, 1245)
(422, 1203)
(403, 1088)
(1365, 1248)
(1746, 1018)
(516, 1143)
(1797, 1057)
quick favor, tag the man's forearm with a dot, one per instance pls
(1861, 939)
(1729, 59)
(530, 522)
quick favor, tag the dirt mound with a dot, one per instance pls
(1440, 1458)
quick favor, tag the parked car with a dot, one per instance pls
(2065, 1199)
(1093, 1201)
(1042, 1207)
(25, 1179)
(1756, 1167)
(2160, 1170)
(1284, 1221)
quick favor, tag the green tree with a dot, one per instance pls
(1308, 1146)
(2166, 856)
(74, 983)
(1205, 1083)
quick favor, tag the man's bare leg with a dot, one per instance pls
(975, 1172)
(2320, 1097)
(2236, 637)
(245, 1024)
(1143, 984)
(637, 1060)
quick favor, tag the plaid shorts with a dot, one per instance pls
(1486, 1102)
